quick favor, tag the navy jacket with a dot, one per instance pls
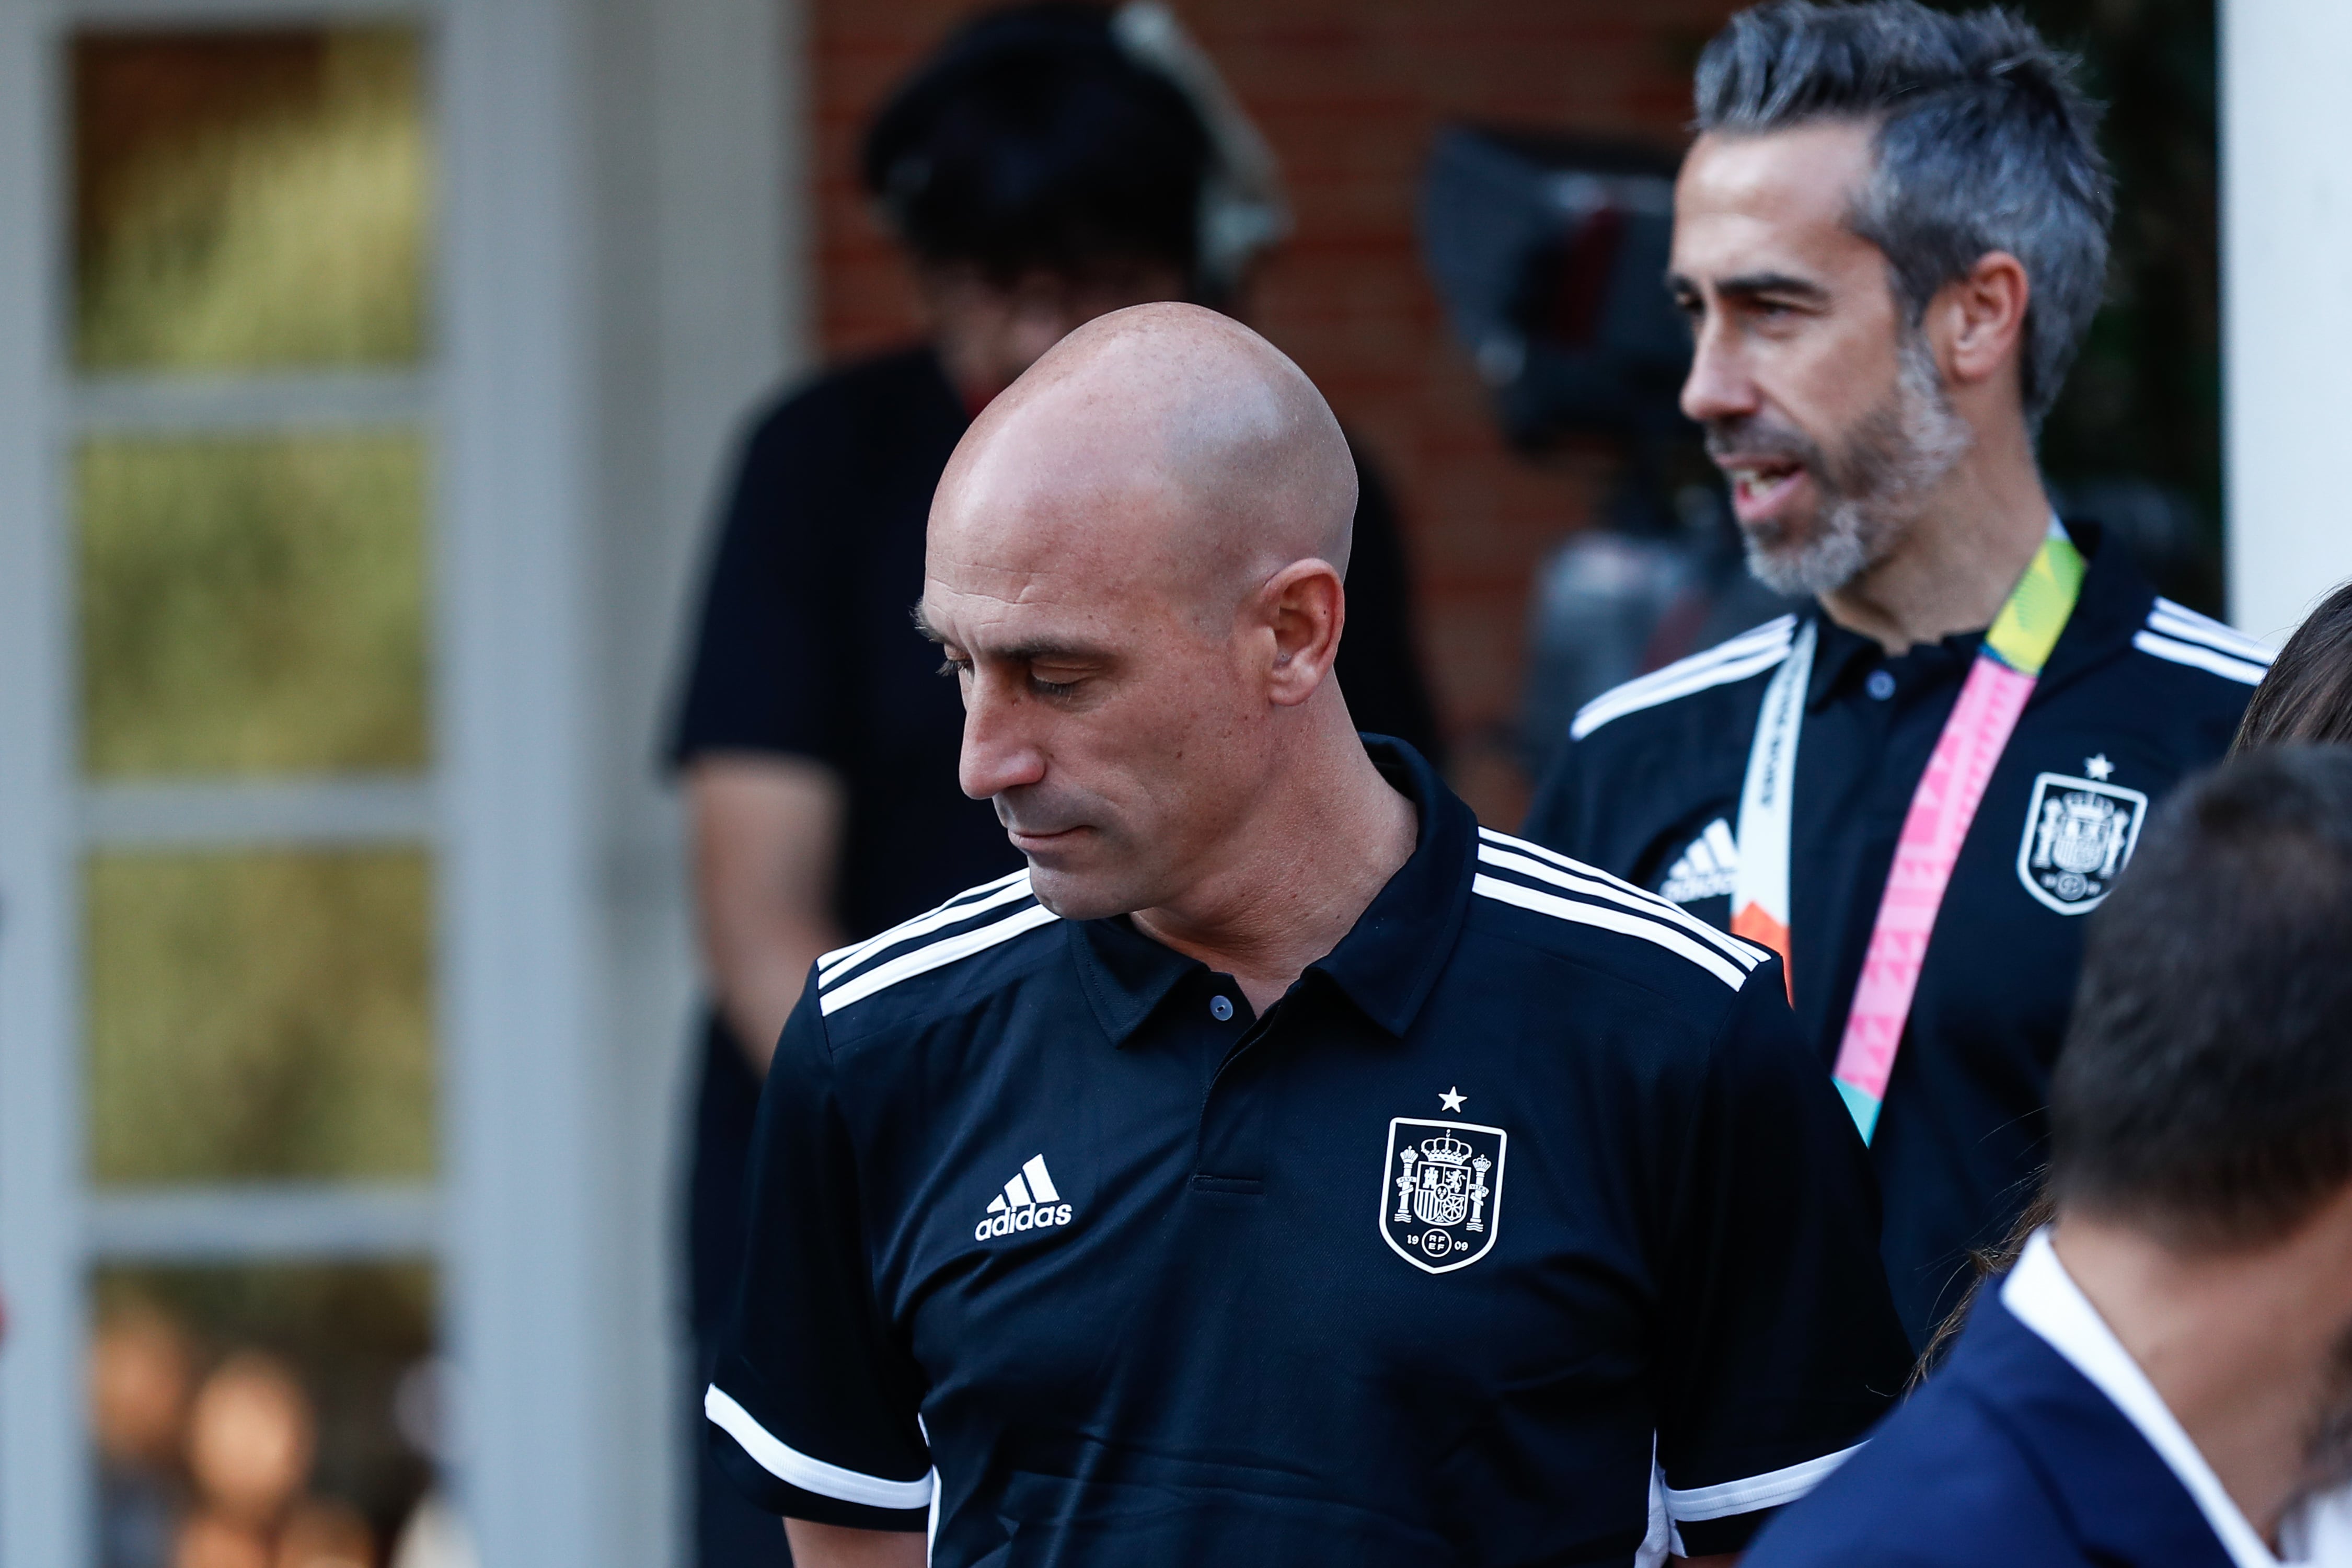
(2009, 1458)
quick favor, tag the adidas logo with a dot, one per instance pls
(1708, 870)
(1029, 1202)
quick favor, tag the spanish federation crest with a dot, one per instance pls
(1442, 1192)
(2079, 834)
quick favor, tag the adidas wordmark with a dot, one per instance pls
(1029, 1202)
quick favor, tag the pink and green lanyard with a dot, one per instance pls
(1946, 802)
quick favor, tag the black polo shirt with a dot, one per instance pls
(1528, 1181)
(2137, 693)
(804, 647)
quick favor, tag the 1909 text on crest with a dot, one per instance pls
(1442, 1191)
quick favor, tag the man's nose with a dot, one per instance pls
(998, 752)
(1719, 385)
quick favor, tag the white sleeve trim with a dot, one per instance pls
(1726, 1498)
(789, 1464)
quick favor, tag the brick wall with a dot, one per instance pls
(1350, 92)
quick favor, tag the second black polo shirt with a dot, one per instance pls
(1526, 1183)
(2137, 693)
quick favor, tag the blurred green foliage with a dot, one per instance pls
(260, 1014)
(253, 605)
(249, 199)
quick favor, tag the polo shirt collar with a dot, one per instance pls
(2112, 603)
(2110, 609)
(1841, 657)
(2042, 1294)
(1386, 965)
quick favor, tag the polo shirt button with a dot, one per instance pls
(1880, 685)
(1221, 1008)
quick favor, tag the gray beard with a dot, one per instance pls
(1871, 495)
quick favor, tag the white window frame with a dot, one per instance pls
(507, 418)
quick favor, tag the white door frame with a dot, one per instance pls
(519, 878)
(44, 1470)
(513, 869)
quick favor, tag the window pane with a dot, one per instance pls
(253, 605)
(260, 1014)
(248, 199)
(245, 1414)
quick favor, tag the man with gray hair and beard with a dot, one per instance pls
(1890, 237)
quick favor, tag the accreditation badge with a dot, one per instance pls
(2079, 834)
(1442, 1191)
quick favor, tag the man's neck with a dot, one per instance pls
(2239, 1343)
(1960, 558)
(1333, 836)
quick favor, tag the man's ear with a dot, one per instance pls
(1977, 324)
(1306, 607)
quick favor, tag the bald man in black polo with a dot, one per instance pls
(1282, 1168)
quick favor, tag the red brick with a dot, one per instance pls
(1351, 94)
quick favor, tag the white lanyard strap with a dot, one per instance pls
(1759, 890)
(2000, 681)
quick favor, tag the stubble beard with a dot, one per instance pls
(1871, 491)
(2327, 1449)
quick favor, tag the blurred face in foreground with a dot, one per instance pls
(1133, 570)
(1822, 406)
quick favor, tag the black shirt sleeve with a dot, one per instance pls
(1379, 668)
(1781, 1346)
(772, 599)
(813, 1406)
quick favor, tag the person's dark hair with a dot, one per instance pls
(1984, 142)
(2307, 695)
(1032, 142)
(2205, 1086)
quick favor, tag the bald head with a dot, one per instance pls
(1165, 439)
(1134, 569)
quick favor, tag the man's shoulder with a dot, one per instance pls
(2010, 1453)
(939, 966)
(2196, 658)
(1705, 683)
(1564, 908)
(1944, 1481)
(1644, 757)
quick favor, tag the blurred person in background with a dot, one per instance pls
(1051, 163)
(1546, 247)
(252, 1443)
(1890, 237)
(2165, 1377)
(141, 1374)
